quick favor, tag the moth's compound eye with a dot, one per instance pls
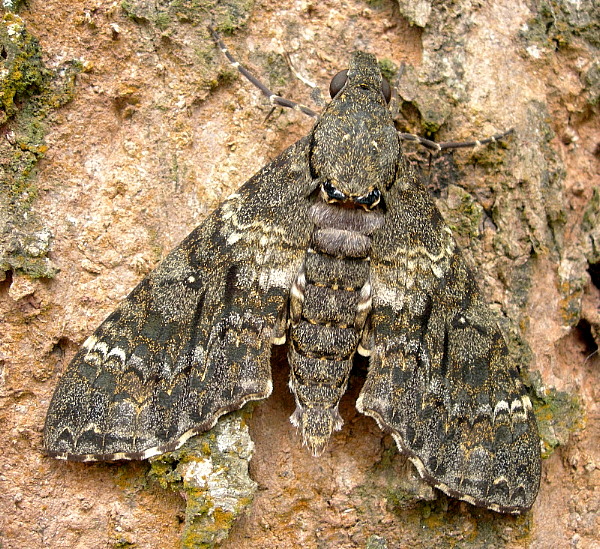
(338, 82)
(369, 200)
(331, 192)
(386, 89)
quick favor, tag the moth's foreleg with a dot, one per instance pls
(316, 94)
(438, 147)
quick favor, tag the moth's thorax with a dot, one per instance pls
(355, 144)
(358, 154)
(329, 306)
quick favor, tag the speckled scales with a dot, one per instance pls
(440, 379)
(336, 247)
(193, 340)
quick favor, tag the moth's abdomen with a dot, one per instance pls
(329, 304)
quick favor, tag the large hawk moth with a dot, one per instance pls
(337, 248)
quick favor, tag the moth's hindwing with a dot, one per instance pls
(440, 379)
(192, 340)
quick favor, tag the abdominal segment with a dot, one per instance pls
(330, 301)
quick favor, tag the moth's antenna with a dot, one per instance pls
(273, 98)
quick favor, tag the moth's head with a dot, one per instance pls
(355, 146)
(363, 73)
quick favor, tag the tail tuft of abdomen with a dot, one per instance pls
(317, 425)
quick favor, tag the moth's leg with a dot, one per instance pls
(437, 147)
(316, 95)
(432, 145)
(273, 98)
(395, 101)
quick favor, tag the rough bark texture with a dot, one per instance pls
(159, 129)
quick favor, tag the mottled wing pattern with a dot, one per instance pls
(192, 340)
(440, 379)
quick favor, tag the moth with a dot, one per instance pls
(336, 248)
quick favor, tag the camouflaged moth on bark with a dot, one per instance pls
(336, 248)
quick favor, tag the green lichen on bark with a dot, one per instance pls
(29, 93)
(388, 69)
(557, 23)
(211, 471)
(561, 26)
(226, 16)
(122, 543)
(464, 214)
(12, 5)
(182, 25)
(559, 415)
(590, 226)
(273, 68)
(23, 73)
(376, 542)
